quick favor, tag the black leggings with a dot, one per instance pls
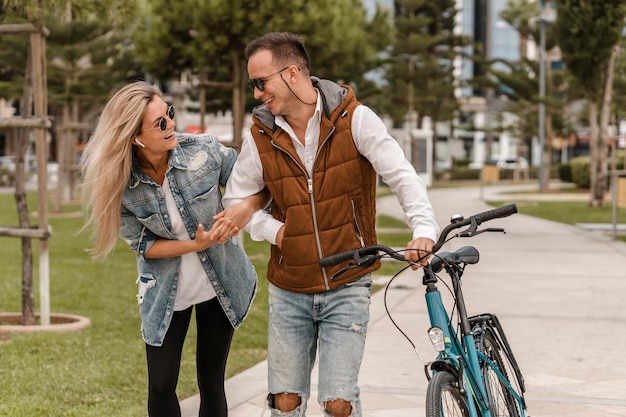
(214, 336)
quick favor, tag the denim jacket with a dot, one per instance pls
(198, 166)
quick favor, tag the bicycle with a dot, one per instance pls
(475, 373)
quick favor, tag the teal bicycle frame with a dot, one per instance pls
(459, 357)
(462, 358)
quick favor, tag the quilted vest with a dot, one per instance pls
(331, 212)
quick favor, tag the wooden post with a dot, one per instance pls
(38, 61)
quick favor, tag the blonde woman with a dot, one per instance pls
(160, 191)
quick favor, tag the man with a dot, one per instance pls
(318, 150)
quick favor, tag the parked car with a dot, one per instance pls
(8, 162)
(512, 162)
(442, 165)
(506, 162)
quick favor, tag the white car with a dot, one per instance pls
(512, 163)
(506, 162)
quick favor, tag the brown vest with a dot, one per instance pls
(333, 212)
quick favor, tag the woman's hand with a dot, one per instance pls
(222, 230)
(240, 213)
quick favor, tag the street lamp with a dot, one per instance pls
(543, 20)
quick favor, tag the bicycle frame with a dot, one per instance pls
(460, 357)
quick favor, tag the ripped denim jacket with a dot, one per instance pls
(198, 166)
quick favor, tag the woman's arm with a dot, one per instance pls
(219, 233)
(227, 224)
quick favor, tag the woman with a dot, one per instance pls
(161, 191)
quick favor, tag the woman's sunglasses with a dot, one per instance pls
(171, 113)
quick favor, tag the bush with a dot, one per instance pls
(565, 172)
(581, 171)
(464, 173)
(7, 177)
(462, 162)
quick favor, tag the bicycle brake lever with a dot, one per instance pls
(471, 233)
(471, 230)
(361, 262)
(494, 229)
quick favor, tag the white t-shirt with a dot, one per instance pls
(193, 283)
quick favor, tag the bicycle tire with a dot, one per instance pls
(502, 403)
(443, 397)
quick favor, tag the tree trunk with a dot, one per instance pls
(433, 159)
(521, 144)
(203, 87)
(594, 152)
(599, 189)
(23, 140)
(28, 297)
(239, 99)
(63, 137)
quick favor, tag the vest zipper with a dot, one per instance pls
(309, 181)
(356, 224)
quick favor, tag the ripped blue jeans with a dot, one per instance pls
(333, 322)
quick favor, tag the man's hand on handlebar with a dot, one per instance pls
(418, 251)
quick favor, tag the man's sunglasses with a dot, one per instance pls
(171, 113)
(258, 82)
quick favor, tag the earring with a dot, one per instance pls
(139, 143)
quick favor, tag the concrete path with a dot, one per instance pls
(559, 291)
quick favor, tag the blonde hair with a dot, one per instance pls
(106, 162)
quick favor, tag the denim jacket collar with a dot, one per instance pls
(177, 160)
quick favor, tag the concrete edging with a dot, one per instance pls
(59, 323)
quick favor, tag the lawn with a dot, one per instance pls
(99, 371)
(568, 212)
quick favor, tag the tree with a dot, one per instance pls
(206, 39)
(14, 81)
(519, 82)
(23, 82)
(420, 74)
(87, 59)
(587, 32)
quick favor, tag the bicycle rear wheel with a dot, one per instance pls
(502, 402)
(443, 398)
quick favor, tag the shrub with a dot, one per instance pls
(581, 171)
(565, 172)
(7, 177)
(464, 173)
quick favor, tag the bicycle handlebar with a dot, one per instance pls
(473, 221)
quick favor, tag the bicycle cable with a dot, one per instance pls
(415, 349)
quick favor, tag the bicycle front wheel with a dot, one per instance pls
(443, 398)
(502, 403)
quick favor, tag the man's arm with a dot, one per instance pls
(246, 179)
(373, 141)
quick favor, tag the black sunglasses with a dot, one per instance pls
(258, 82)
(170, 113)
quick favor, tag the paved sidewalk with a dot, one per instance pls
(559, 291)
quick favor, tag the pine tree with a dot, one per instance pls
(588, 32)
(421, 73)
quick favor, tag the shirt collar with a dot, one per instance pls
(317, 115)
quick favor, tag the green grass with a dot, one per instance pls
(568, 212)
(99, 371)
